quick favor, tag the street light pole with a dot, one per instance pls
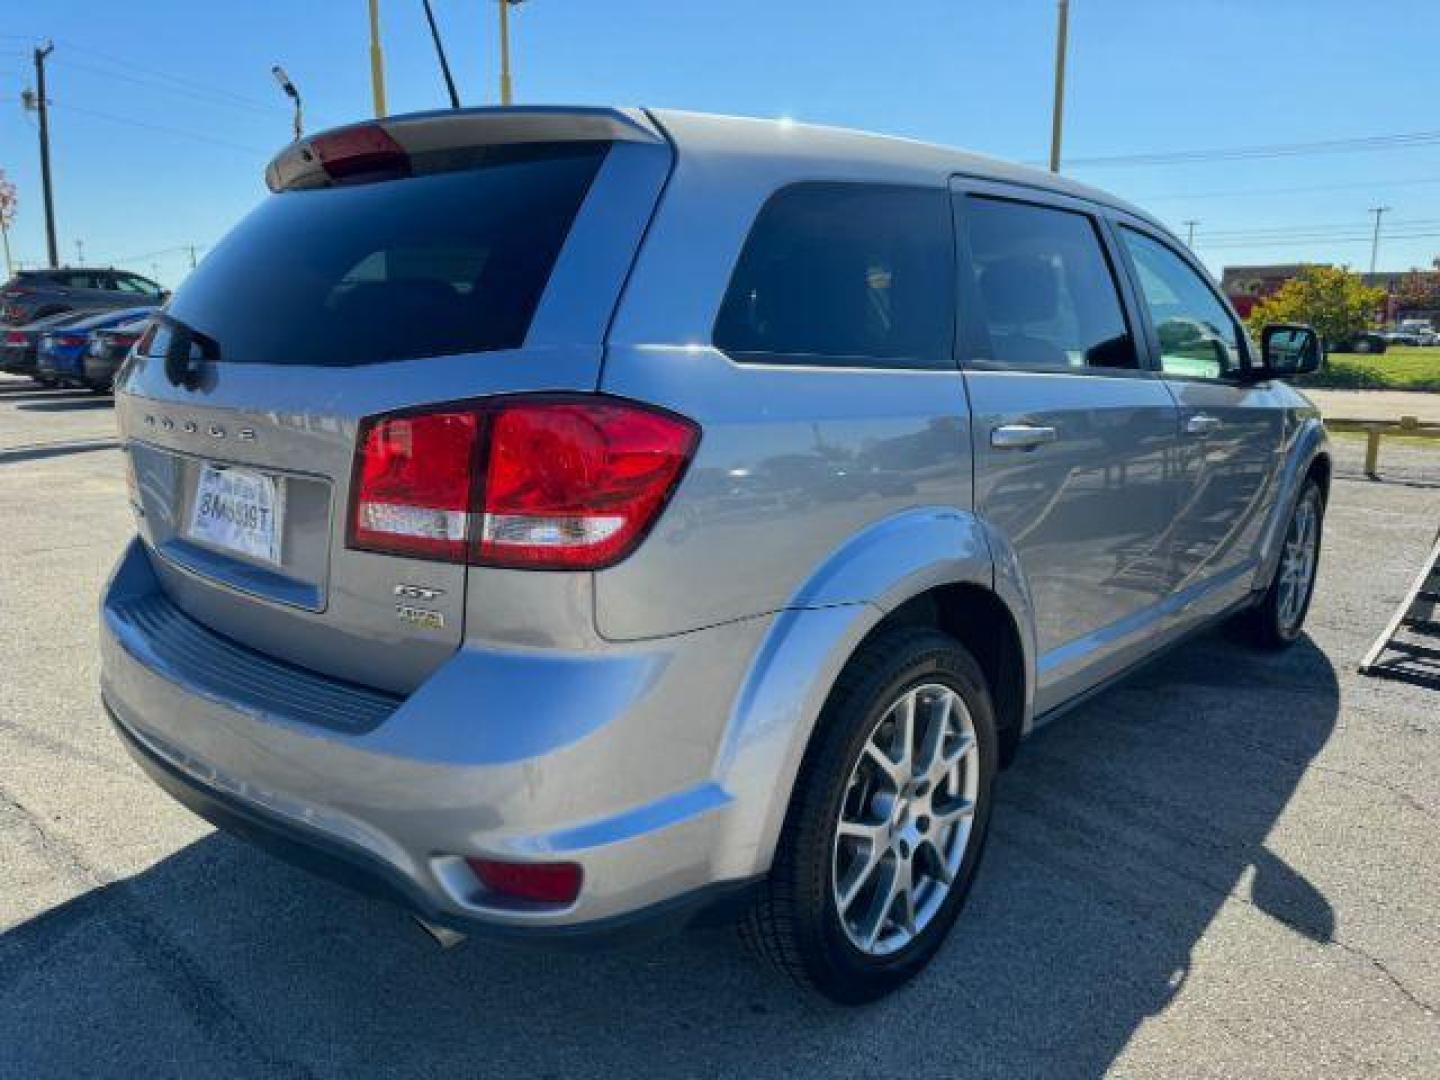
(1057, 116)
(377, 61)
(1378, 211)
(43, 106)
(286, 85)
(1190, 232)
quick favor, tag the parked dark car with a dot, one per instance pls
(60, 359)
(107, 351)
(33, 294)
(1365, 342)
(18, 346)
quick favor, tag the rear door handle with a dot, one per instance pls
(1021, 436)
(1200, 424)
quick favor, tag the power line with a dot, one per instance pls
(181, 132)
(1336, 229)
(1227, 244)
(145, 80)
(145, 256)
(1366, 185)
(128, 65)
(1362, 143)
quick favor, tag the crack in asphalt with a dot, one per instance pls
(202, 997)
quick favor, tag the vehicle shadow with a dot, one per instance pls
(35, 452)
(40, 393)
(77, 404)
(1121, 830)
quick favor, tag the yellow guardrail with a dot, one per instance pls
(1412, 427)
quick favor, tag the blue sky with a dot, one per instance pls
(165, 111)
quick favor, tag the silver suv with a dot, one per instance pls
(572, 522)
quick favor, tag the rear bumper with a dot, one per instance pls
(15, 362)
(393, 794)
(357, 869)
(99, 372)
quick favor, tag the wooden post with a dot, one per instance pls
(1372, 452)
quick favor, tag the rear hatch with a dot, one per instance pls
(430, 259)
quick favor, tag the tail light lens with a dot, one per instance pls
(68, 341)
(413, 481)
(558, 483)
(15, 337)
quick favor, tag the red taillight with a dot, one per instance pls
(413, 484)
(571, 484)
(69, 340)
(124, 341)
(561, 483)
(359, 151)
(545, 883)
(16, 337)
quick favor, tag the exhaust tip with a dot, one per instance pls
(442, 935)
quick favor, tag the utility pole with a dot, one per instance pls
(192, 256)
(43, 106)
(1057, 116)
(1378, 211)
(506, 90)
(377, 61)
(1190, 232)
(79, 252)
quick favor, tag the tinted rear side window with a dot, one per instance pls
(844, 274)
(1047, 293)
(430, 265)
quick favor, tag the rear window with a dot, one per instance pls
(843, 274)
(445, 263)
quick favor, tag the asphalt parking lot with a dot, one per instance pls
(1228, 866)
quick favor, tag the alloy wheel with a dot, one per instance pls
(1297, 563)
(906, 819)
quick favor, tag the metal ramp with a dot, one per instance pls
(1409, 646)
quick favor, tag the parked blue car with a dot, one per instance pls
(60, 359)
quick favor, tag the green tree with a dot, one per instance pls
(1337, 303)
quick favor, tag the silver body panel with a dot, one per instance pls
(648, 720)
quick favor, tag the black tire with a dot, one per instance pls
(1263, 625)
(794, 923)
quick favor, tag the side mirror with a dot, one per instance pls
(1289, 349)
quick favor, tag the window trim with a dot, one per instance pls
(834, 361)
(1152, 336)
(972, 343)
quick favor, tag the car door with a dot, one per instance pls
(1232, 428)
(1074, 436)
(86, 289)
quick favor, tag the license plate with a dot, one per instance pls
(238, 510)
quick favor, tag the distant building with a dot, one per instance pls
(1246, 285)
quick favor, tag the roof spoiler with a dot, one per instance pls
(435, 141)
